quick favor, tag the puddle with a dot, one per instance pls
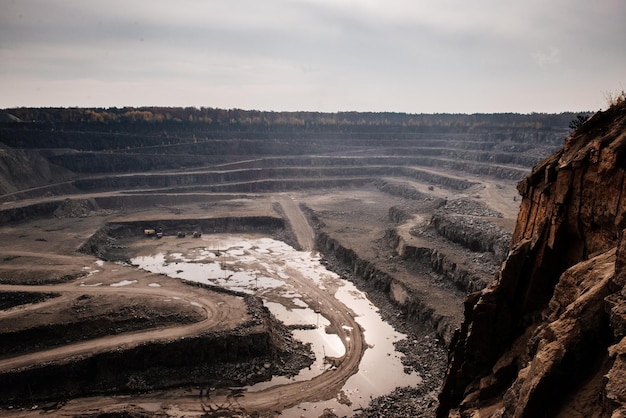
(123, 283)
(89, 271)
(264, 266)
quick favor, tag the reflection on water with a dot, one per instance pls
(263, 266)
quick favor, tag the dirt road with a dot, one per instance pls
(299, 224)
(219, 315)
(268, 402)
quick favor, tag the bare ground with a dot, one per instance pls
(41, 256)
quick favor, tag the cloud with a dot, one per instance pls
(331, 54)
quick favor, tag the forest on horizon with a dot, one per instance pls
(207, 117)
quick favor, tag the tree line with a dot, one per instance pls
(216, 118)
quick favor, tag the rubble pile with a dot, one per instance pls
(465, 206)
(474, 233)
(76, 208)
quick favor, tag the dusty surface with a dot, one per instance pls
(382, 214)
(122, 291)
(48, 247)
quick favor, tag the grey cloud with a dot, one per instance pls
(400, 47)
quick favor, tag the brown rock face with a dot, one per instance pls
(547, 337)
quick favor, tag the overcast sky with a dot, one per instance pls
(416, 56)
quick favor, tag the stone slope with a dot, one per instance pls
(23, 169)
(547, 337)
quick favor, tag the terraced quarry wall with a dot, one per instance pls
(421, 216)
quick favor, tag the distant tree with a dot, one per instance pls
(578, 122)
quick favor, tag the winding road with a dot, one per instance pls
(216, 317)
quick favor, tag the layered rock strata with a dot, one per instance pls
(548, 336)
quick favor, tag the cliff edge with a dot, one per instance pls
(548, 336)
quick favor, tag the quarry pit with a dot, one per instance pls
(86, 332)
(112, 328)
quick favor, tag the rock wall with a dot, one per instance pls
(371, 277)
(547, 338)
(218, 181)
(23, 169)
(27, 212)
(475, 233)
(440, 262)
(104, 242)
(403, 190)
(66, 208)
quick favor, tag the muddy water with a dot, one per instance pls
(263, 266)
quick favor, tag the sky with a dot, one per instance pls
(414, 56)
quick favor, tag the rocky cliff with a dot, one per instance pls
(548, 336)
(24, 169)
